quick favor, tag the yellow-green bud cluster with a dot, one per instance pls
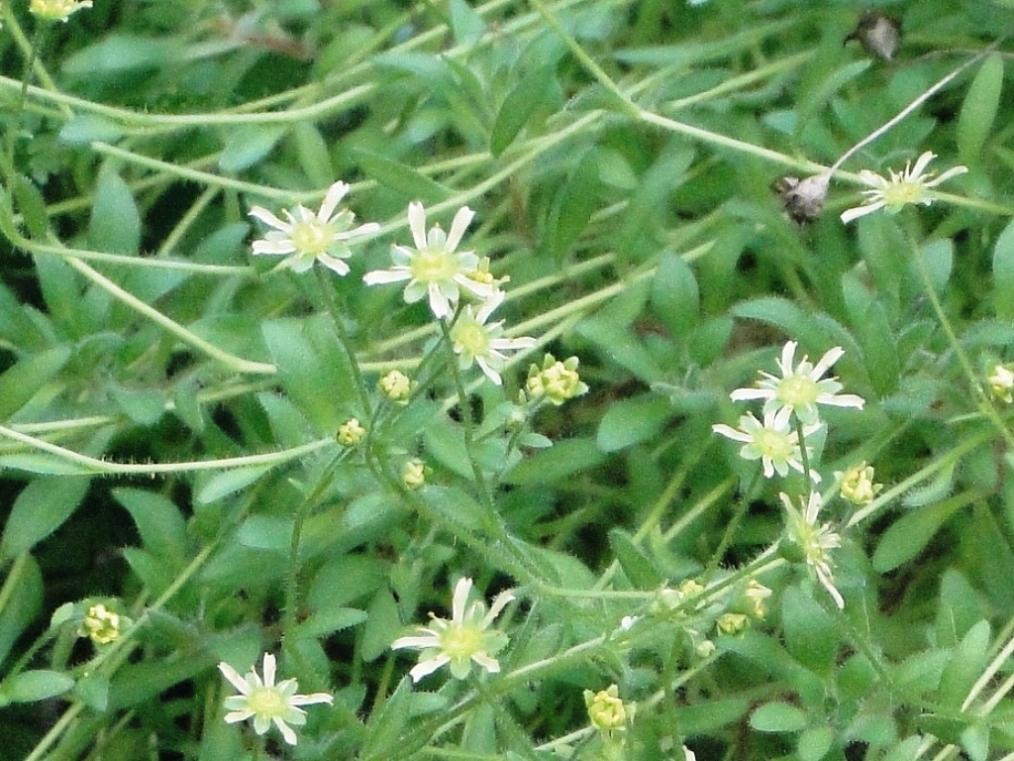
(481, 274)
(413, 475)
(1001, 383)
(555, 380)
(101, 625)
(857, 485)
(57, 10)
(732, 623)
(396, 386)
(350, 433)
(606, 710)
(754, 596)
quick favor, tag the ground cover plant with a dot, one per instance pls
(534, 379)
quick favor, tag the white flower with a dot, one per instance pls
(908, 186)
(435, 267)
(800, 388)
(1001, 383)
(772, 442)
(267, 702)
(462, 640)
(475, 341)
(57, 10)
(815, 541)
(309, 237)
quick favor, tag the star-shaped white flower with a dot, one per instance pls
(307, 237)
(266, 702)
(800, 389)
(475, 341)
(815, 541)
(911, 185)
(435, 267)
(465, 639)
(774, 442)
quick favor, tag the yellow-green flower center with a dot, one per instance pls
(461, 641)
(312, 237)
(898, 194)
(472, 337)
(267, 701)
(433, 265)
(798, 390)
(774, 445)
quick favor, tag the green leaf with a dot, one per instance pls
(636, 565)
(822, 93)
(144, 406)
(23, 605)
(975, 741)
(228, 482)
(965, 666)
(1003, 273)
(938, 258)
(328, 621)
(781, 313)
(33, 686)
(908, 535)
(160, 523)
(40, 509)
(811, 635)
(979, 109)
(32, 206)
(675, 296)
(311, 149)
(93, 690)
(466, 24)
(22, 381)
(403, 179)
(118, 53)
(248, 145)
(778, 717)
(563, 460)
(382, 626)
(384, 727)
(85, 128)
(115, 224)
(576, 200)
(814, 743)
(632, 421)
(44, 465)
(518, 107)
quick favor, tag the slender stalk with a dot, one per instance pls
(327, 291)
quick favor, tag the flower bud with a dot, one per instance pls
(803, 199)
(396, 386)
(556, 381)
(57, 10)
(879, 35)
(732, 623)
(413, 475)
(101, 625)
(856, 484)
(1001, 383)
(605, 709)
(350, 433)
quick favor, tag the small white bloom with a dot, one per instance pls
(475, 341)
(1001, 383)
(267, 702)
(434, 268)
(911, 185)
(57, 10)
(773, 442)
(688, 755)
(307, 237)
(465, 639)
(800, 389)
(815, 541)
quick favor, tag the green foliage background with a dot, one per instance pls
(655, 249)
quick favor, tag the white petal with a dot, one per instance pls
(788, 355)
(438, 302)
(861, 211)
(920, 164)
(489, 306)
(513, 344)
(842, 400)
(426, 640)
(234, 678)
(828, 582)
(461, 592)
(269, 670)
(731, 433)
(379, 277)
(428, 666)
(417, 223)
(481, 290)
(286, 730)
(309, 700)
(273, 247)
(952, 172)
(873, 179)
(488, 371)
(458, 226)
(265, 216)
(335, 264)
(499, 603)
(235, 716)
(334, 196)
(368, 229)
(830, 357)
(492, 665)
(745, 394)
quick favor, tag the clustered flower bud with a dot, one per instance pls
(556, 381)
(754, 597)
(57, 10)
(606, 709)
(1001, 383)
(396, 386)
(413, 475)
(732, 623)
(350, 433)
(101, 625)
(856, 484)
(482, 275)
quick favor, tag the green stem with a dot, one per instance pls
(742, 504)
(327, 291)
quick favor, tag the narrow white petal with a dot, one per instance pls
(368, 229)
(379, 277)
(920, 164)
(265, 216)
(489, 372)
(745, 394)
(334, 196)
(309, 700)
(513, 344)
(438, 302)
(873, 179)
(417, 223)
(952, 172)
(286, 730)
(492, 665)
(428, 666)
(731, 433)
(426, 640)
(335, 264)
(842, 400)
(461, 591)
(481, 290)
(234, 678)
(861, 211)
(235, 716)
(788, 355)
(273, 247)
(830, 357)
(500, 602)
(828, 582)
(269, 670)
(458, 226)
(489, 306)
